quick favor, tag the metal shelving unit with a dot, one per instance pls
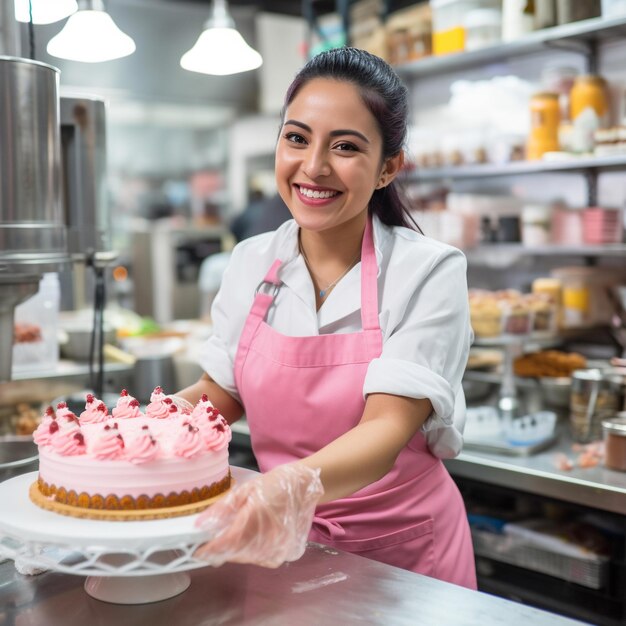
(582, 37)
(516, 168)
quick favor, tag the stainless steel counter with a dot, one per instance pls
(324, 586)
(596, 487)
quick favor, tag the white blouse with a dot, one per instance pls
(423, 313)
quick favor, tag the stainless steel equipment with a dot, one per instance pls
(166, 266)
(83, 149)
(32, 227)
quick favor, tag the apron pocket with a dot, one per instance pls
(410, 548)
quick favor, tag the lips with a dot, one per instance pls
(316, 195)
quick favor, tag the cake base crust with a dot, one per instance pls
(50, 503)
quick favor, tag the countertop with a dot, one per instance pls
(595, 487)
(324, 586)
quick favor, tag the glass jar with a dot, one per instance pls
(590, 92)
(483, 28)
(595, 397)
(544, 125)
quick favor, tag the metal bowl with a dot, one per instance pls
(18, 455)
(556, 390)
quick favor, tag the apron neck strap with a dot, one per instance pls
(268, 287)
(369, 280)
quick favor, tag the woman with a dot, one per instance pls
(343, 336)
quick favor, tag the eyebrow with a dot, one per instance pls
(333, 133)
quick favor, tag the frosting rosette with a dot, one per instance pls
(157, 395)
(109, 444)
(95, 411)
(62, 410)
(142, 448)
(188, 443)
(215, 435)
(69, 442)
(45, 431)
(160, 409)
(127, 407)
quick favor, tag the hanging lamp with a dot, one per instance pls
(90, 35)
(44, 11)
(220, 49)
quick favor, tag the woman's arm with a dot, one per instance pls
(221, 399)
(368, 451)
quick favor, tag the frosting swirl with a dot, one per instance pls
(188, 443)
(159, 409)
(69, 442)
(45, 431)
(109, 445)
(127, 407)
(215, 435)
(95, 410)
(142, 448)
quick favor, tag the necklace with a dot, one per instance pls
(322, 292)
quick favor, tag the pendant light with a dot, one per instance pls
(91, 36)
(220, 49)
(44, 11)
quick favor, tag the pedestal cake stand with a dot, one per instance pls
(125, 562)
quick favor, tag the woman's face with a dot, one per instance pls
(328, 156)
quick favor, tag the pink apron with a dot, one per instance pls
(301, 393)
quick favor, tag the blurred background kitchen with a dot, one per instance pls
(126, 180)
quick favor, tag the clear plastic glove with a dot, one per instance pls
(183, 405)
(265, 521)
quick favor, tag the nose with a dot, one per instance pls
(316, 163)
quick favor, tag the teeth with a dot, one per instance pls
(310, 193)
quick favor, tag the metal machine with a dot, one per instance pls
(52, 174)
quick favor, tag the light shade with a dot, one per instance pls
(220, 49)
(91, 36)
(44, 11)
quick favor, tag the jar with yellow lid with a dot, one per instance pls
(544, 125)
(590, 92)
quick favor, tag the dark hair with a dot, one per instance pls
(386, 97)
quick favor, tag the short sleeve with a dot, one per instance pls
(426, 345)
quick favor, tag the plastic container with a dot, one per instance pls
(483, 28)
(449, 31)
(544, 125)
(36, 346)
(615, 443)
(536, 225)
(589, 110)
(517, 22)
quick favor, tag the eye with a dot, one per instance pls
(295, 138)
(344, 146)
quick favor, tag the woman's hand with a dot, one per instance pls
(265, 521)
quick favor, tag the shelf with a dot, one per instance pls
(516, 168)
(577, 35)
(501, 252)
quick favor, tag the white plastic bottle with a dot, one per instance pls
(36, 321)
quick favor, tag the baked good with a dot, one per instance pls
(134, 465)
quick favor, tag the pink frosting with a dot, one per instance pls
(159, 409)
(215, 435)
(109, 445)
(157, 394)
(127, 407)
(69, 442)
(95, 411)
(142, 448)
(45, 431)
(188, 443)
(62, 410)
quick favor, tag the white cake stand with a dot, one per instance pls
(125, 562)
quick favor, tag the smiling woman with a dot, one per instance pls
(343, 336)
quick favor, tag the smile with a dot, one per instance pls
(317, 194)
